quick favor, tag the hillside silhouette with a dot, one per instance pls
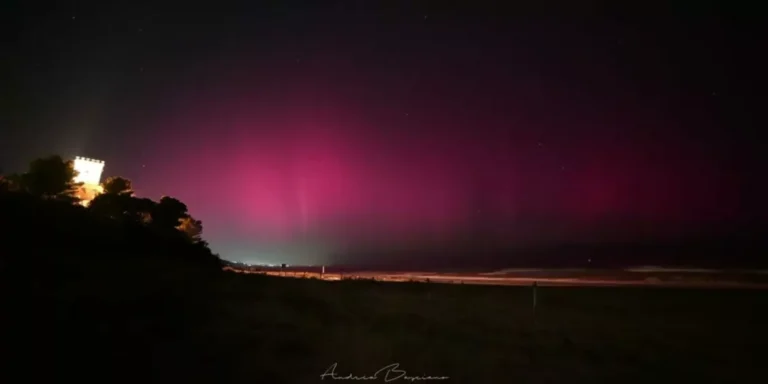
(87, 293)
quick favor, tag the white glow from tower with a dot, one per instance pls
(89, 170)
(88, 173)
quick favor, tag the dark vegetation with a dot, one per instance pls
(90, 292)
(118, 292)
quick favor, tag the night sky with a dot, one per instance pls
(297, 133)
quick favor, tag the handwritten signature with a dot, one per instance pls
(389, 372)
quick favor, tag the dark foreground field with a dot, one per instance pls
(239, 328)
(285, 330)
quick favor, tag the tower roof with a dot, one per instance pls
(89, 159)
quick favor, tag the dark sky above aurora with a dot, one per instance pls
(296, 132)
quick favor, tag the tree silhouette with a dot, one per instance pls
(117, 201)
(52, 178)
(192, 228)
(117, 185)
(168, 213)
(123, 207)
(10, 183)
(109, 205)
(140, 209)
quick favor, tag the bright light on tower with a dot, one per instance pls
(88, 173)
(89, 170)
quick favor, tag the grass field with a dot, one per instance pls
(249, 328)
(293, 330)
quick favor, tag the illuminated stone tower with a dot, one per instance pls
(89, 173)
